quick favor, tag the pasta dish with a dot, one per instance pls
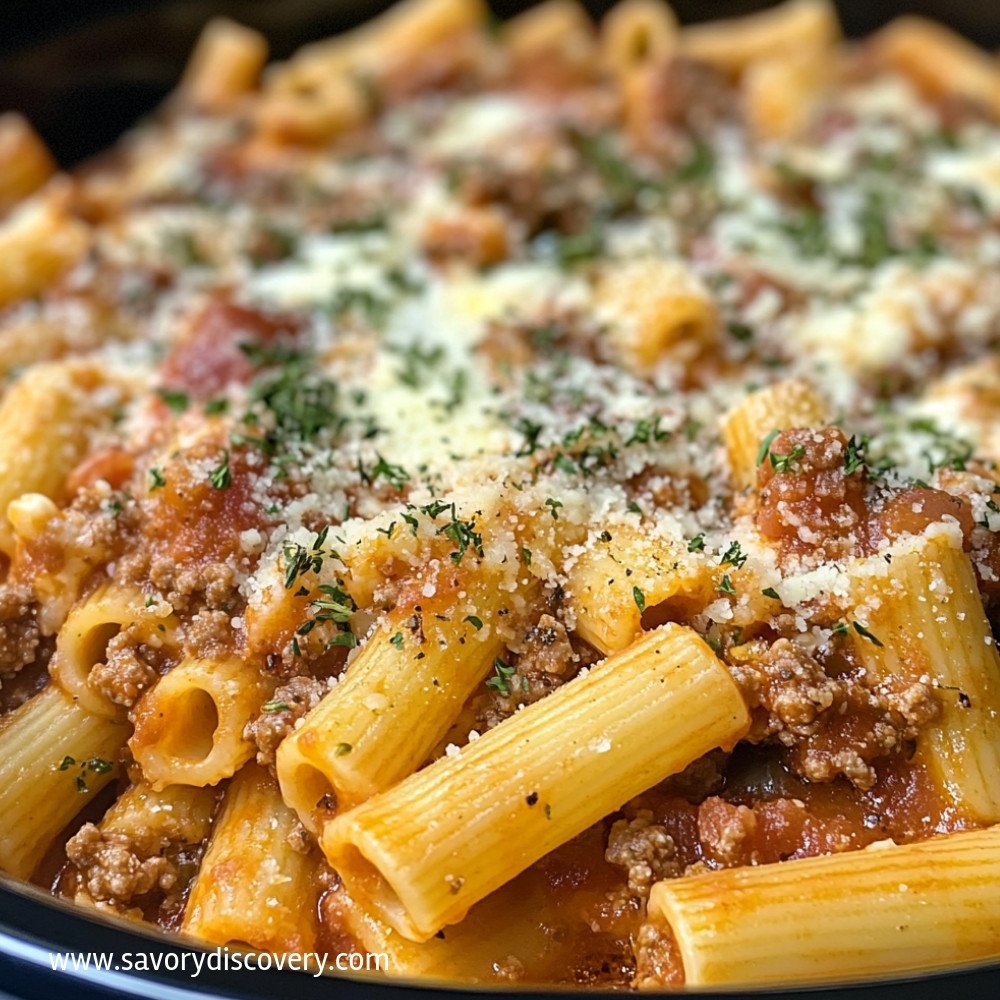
(520, 498)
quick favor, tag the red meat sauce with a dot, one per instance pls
(191, 521)
(571, 917)
(212, 353)
(812, 503)
(762, 814)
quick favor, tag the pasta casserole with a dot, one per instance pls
(518, 498)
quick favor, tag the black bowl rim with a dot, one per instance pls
(35, 925)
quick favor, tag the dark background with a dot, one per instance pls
(84, 71)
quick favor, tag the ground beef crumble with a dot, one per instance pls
(19, 632)
(809, 504)
(831, 724)
(131, 667)
(290, 703)
(542, 662)
(111, 869)
(644, 850)
(723, 829)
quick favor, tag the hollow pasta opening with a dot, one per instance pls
(313, 794)
(192, 738)
(93, 646)
(366, 882)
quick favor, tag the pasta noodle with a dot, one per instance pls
(779, 407)
(420, 861)
(793, 26)
(46, 420)
(252, 887)
(516, 502)
(25, 163)
(360, 739)
(886, 909)
(924, 610)
(83, 641)
(189, 727)
(658, 310)
(56, 756)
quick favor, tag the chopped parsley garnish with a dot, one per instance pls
(621, 181)
(397, 640)
(175, 399)
(772, 593)
(765, 446)
(461, 532)
(697, 543)
(341, 749)
(733, 556)
(275, 706)
(336, 607)
(854, 456)
(95, 765)
(156, 480)
(395, 475)
(418, 363)
(788, 462)
(873, 224)
(699, 166)
(646, 431)
(740, 331)
(576, 248)
(300, 560)
(474, 621)
(499, 682)
(362, 302)
(220, 477)
(862, 631)
(297, 397)
(726, 586)
(530, 431)
(553, 506)
(640, 599)
(945, 450)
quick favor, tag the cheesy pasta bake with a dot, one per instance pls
(520, 498)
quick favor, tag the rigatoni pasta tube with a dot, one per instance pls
(46, 419)
(778, 407)
(189, 727)
(252, 887)
(862, 914)
(25, 162)
(557, 34)
(152, 824)
(939, 61)
(225, 64)
(780, 95)
(395, 37)
(395, 702)
(732, 45)
(83, 639)
(178, 814)
(54, 757)
(923, 609)
(656, 309)
(511, 921)
(637, 33)
(421, 854)
(39, 240)
(625, 575)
